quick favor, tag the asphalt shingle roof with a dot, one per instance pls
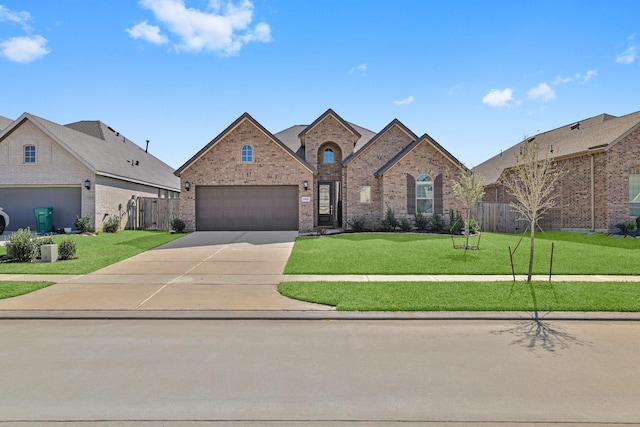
(573, 139)
(107, 153)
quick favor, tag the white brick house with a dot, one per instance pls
(83, 168)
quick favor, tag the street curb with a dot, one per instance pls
(309, 315)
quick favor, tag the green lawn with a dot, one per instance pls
(370, 253)
(13, 289)
(94, 252)
(468, 296)
(380, 253)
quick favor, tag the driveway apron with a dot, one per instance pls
(200, 271)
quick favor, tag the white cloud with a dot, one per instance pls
(147, 32)
(498, 98)
(588, 76)
(18, 17)
(24, 49)
(562, 80)
(543, 91)
(630, 54)
(224, 28)
(408, 100)
(361, 67)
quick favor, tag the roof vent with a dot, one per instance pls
(575, 126)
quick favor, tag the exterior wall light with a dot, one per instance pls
(305, 184)
(87, 184)
(187, 185)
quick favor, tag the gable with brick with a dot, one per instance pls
(601, 159)
(309, 176)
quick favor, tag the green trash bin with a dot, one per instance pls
(43, 219)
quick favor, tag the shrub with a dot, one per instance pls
(37, 243)
(83, 224)
(389, 222)
(405, 224)
(23, 247)
(112, 225)
(456, 223)
(474, 227)
(437, 224)
(638, 223)
(626, 227)
(67, 249)
(358, 223)
(178, 225)
(421, 222)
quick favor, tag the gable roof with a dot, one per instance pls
(244, 117)
(424, 139)
(326, 114)
(595, 133)
(111, 156)
(376, 137)
(4, 122)
(290, 137)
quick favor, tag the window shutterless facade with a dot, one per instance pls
(247, 154)
(29, 153)
(328, 155)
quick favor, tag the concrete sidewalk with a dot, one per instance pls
(220, 275)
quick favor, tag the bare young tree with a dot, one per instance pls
(468, 189)
(532, 183)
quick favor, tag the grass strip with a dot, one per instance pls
(468, 296)
(14, 289)
(389, 253)
(94, 252)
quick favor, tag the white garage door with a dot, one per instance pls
(250, 208)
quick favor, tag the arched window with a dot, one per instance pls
(29, 153)
(328, 155)
(247, 154)
(424, 194)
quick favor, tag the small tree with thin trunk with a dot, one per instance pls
(532, 183)
(468, 189)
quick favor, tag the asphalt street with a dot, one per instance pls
(114, 372)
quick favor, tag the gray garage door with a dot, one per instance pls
(251, 208)
(19, 204)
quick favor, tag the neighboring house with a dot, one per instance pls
(601, 160)
(83, 168)
(308, 176)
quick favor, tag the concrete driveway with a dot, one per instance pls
(200, 271)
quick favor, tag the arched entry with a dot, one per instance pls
(329, 190)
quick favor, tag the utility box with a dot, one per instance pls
(49, 253)
(43, 219)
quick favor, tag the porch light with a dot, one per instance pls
(87, 184)
(187, 185)
(305, 184)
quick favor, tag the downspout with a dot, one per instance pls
(593, 203)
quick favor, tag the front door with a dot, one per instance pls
(325, 204)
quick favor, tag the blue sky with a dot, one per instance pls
(476, 76)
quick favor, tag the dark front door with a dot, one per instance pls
(325, 204)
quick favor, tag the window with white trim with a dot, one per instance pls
(424, 194)
(247, 154)
(29, 153)
(634, 195)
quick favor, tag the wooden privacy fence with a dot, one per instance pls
(157, 214)
(498, 217)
